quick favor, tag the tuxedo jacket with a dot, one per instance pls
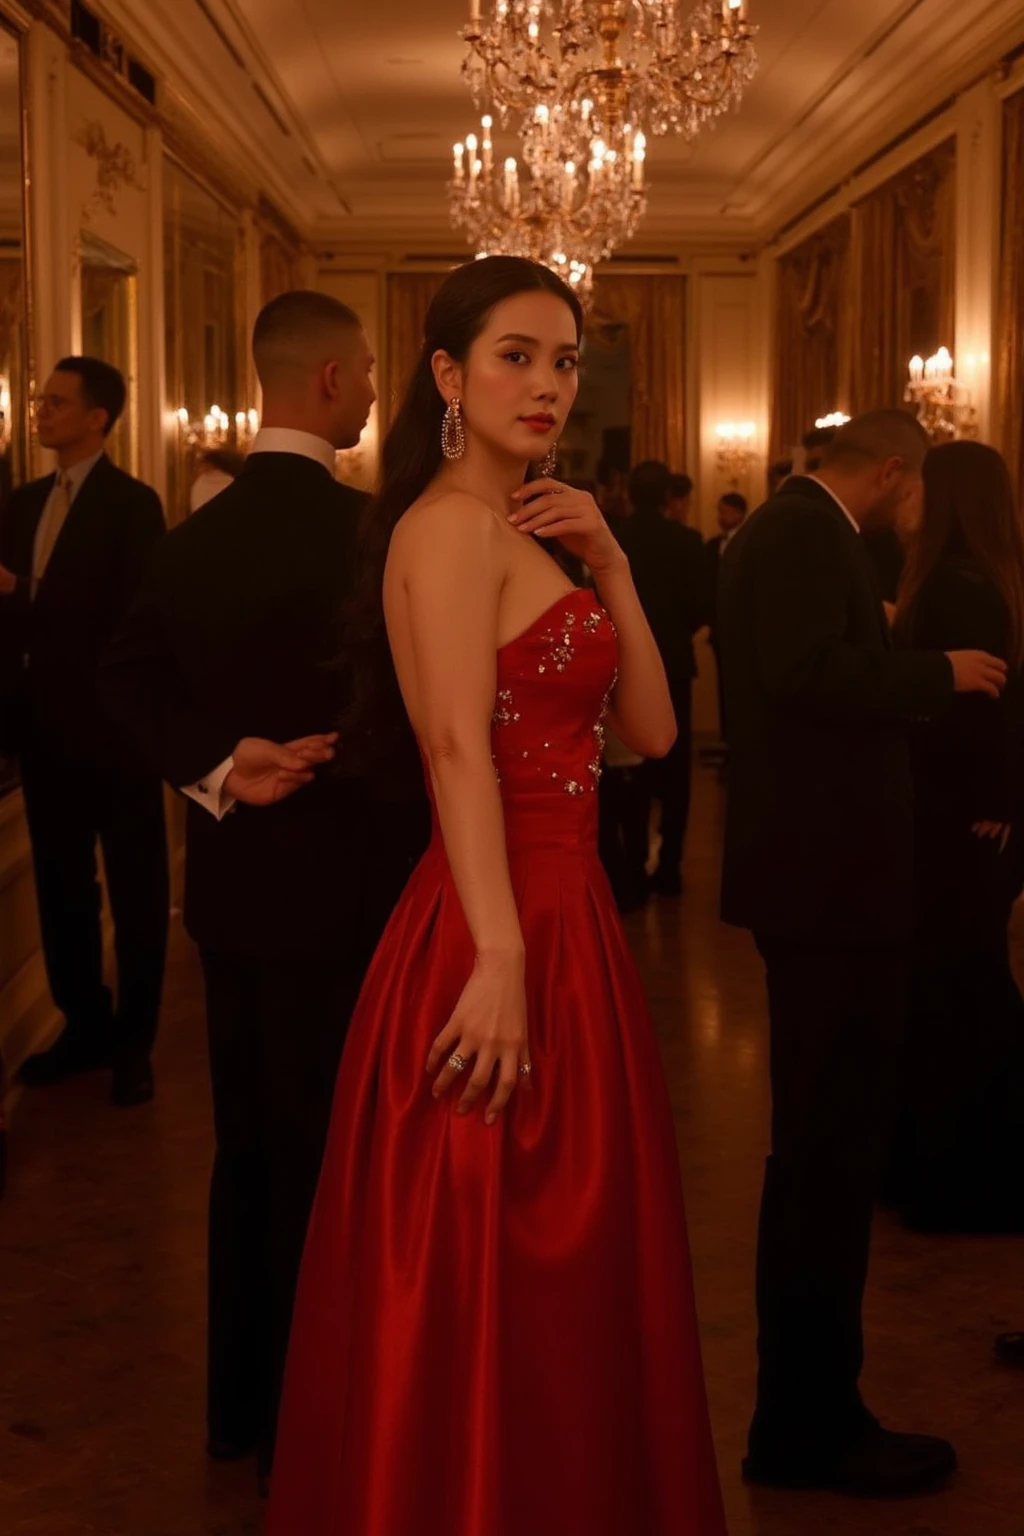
(819, 825)
(236, 632)
(51, 646)
(713, 551)
(667, 564)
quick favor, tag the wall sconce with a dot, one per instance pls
(6, 421)
(213, 431)
(944, 405)
(833, 419)
(247, 424)
(735, 453)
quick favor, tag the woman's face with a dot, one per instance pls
(521, 376)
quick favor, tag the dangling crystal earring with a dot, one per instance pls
(549, 463)
(453, 435)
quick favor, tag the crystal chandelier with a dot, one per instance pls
(567, 215)
(585, 82)
(610, 63)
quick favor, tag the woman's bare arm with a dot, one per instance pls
(451, 576)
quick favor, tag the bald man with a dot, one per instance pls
(226, 675)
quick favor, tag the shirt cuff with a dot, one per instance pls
(209, 791)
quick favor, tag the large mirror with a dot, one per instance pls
(15, 367)
(205, 384)
(109, 327)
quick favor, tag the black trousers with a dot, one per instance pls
(624, 818)
(276, 1028)
(838, 1020)
(668, 779)
(70, 803)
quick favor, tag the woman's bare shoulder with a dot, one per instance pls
(459, 518)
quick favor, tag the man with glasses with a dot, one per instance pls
(73, 547)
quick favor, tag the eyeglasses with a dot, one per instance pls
(52, 402)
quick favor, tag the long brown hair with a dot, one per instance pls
(970, 516)
(374, 729)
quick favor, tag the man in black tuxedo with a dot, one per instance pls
(667, 563)
(227, 670)
(732, 509)
(818, 863)
(73, 548)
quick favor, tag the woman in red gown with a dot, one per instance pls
(494, 1331)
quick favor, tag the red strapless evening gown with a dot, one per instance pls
(494, 1332)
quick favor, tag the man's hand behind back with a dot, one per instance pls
(977, 672)
(266, 771)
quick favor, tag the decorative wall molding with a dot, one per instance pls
(115, 168)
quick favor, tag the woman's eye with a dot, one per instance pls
(570, 364)
(515, 357)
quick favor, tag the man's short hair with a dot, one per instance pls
(650, 486)
(875, 436)
(293, 332)
(103, 387)
(680, 486)
(735, 500)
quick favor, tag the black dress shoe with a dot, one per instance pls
(879, 1464)
(1009, 1348)
(67, 1057)
(132, 1082)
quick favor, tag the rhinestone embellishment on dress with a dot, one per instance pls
(560, 648)
(504, 711)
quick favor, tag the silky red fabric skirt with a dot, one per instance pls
(494, 1331)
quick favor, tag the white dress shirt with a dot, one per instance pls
(841, 505)
(209, 791)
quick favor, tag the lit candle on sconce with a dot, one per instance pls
(459, 151)
(569, 184)
(488, 148)
(474, 12)
(916, 369)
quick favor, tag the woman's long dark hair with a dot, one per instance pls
(971, 516)
(374, 729)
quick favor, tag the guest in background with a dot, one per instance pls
(680, 500)
(667, 562)
(818, 864)
(624, 806)
(778, 473)
(960, 1144)
(815, 443)
(73, 549)
(215, 470)
(732, 509)
(232, 650)
(612, 494)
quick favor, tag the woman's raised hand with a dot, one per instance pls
(487, 1031)
(556, 511)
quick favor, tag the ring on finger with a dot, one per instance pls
(457, 1063)
(525, 1068)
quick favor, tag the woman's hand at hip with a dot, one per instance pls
(486, 1034)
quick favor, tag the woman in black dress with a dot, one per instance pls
(960, 1146)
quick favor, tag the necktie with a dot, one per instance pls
(58, 505)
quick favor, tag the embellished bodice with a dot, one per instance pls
(554, 682)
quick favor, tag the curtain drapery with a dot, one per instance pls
(654, 308)
(408, 299)
(1010, 354)
(902, 276)
(809, 309)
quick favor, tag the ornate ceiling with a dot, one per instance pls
(348, 108)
